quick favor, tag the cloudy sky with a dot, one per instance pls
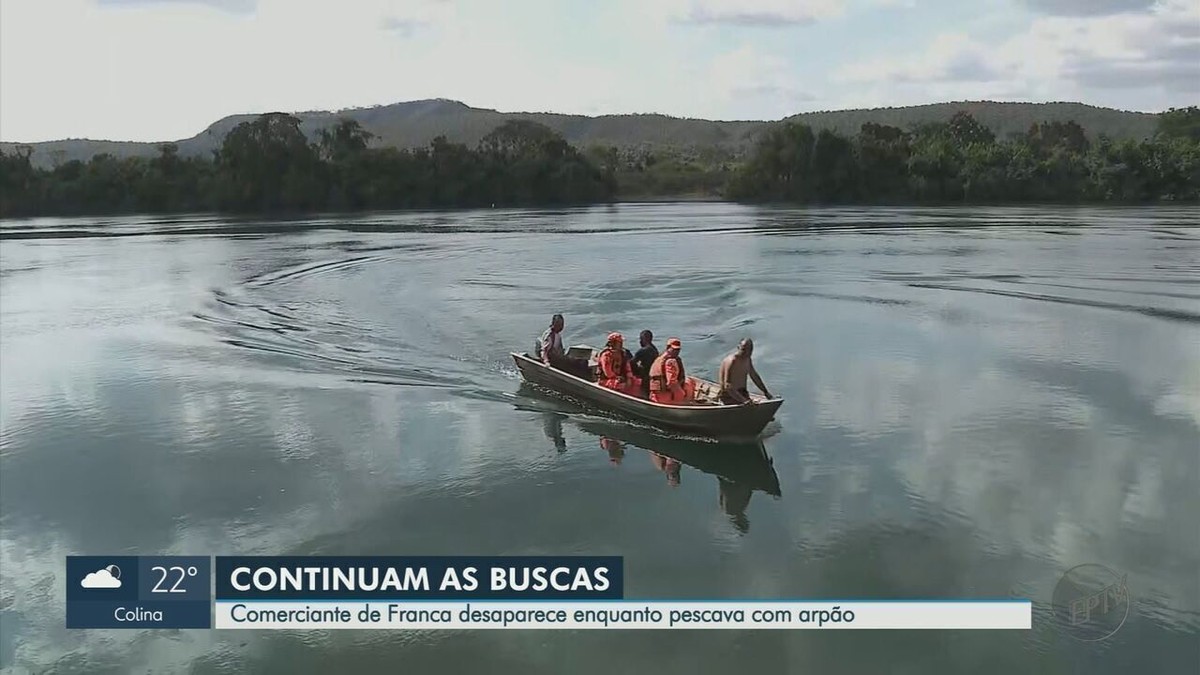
(165, 69)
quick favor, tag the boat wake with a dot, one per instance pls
(277, 316)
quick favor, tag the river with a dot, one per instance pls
(977, 399)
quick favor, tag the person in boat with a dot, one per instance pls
(732, 376)
(643, 359)
(635, 385)
(614, 361)
(552, 353)
(668, 380)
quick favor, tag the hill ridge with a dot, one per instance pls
(415, 123)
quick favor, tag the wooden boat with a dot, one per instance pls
(705, 415)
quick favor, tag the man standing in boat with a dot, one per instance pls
(732, 376)
(552, 353)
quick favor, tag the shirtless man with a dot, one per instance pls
(732, 376)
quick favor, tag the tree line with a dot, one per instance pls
(268, 165)
(962, 161)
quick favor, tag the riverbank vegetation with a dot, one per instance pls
(269, 165)
(963, 161)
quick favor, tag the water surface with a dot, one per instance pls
(977, 400)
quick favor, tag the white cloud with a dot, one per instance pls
(753, 83)
(951, 57)
(238, 6)
(167, 71)
(156, 70)
(1088, 7)
(100, 579)
(1056, 57)
(766, 13)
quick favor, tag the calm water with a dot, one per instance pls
(977, 400)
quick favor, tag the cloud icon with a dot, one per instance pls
(109, 577)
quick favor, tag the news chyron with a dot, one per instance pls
(434, 592)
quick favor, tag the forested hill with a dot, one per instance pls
(1004, 119)
(269, 165)
(416, 123)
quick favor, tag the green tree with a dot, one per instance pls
(268, 165)
(984, 172)
(834, 169)
(519, 138)
(965, 130)
(1180, 123)
(1044, 138)
(19, 183)
(781, 166)
(1118, 171)
(934, 168)
(344, 140)
(342, 147)
(883, 153)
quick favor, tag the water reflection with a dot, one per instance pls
(740, 468)
(552, 426)
(738, 462)
(668, 466)
(735, 497)
(614, 448)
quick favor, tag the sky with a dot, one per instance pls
(154, 70)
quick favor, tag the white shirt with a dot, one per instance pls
(551, 343)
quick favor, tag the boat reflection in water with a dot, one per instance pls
(552, 426)
(667, 465)
(614, 448)
(740, 468)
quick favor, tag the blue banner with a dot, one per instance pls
(419, 578)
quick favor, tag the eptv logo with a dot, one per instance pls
(1091, 602)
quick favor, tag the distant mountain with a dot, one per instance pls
(1002, 118)
(416, 123)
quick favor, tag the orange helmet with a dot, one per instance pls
(616, 338)
(674, 343)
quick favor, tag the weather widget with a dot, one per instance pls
(139, 592)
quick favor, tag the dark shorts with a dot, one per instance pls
(727, 399)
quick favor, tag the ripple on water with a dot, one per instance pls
(261, 315)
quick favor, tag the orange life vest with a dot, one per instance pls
(617, 356)
(617, 363)
(658, 377)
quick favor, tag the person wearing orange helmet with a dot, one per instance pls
(615, 371)
(668, 380)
